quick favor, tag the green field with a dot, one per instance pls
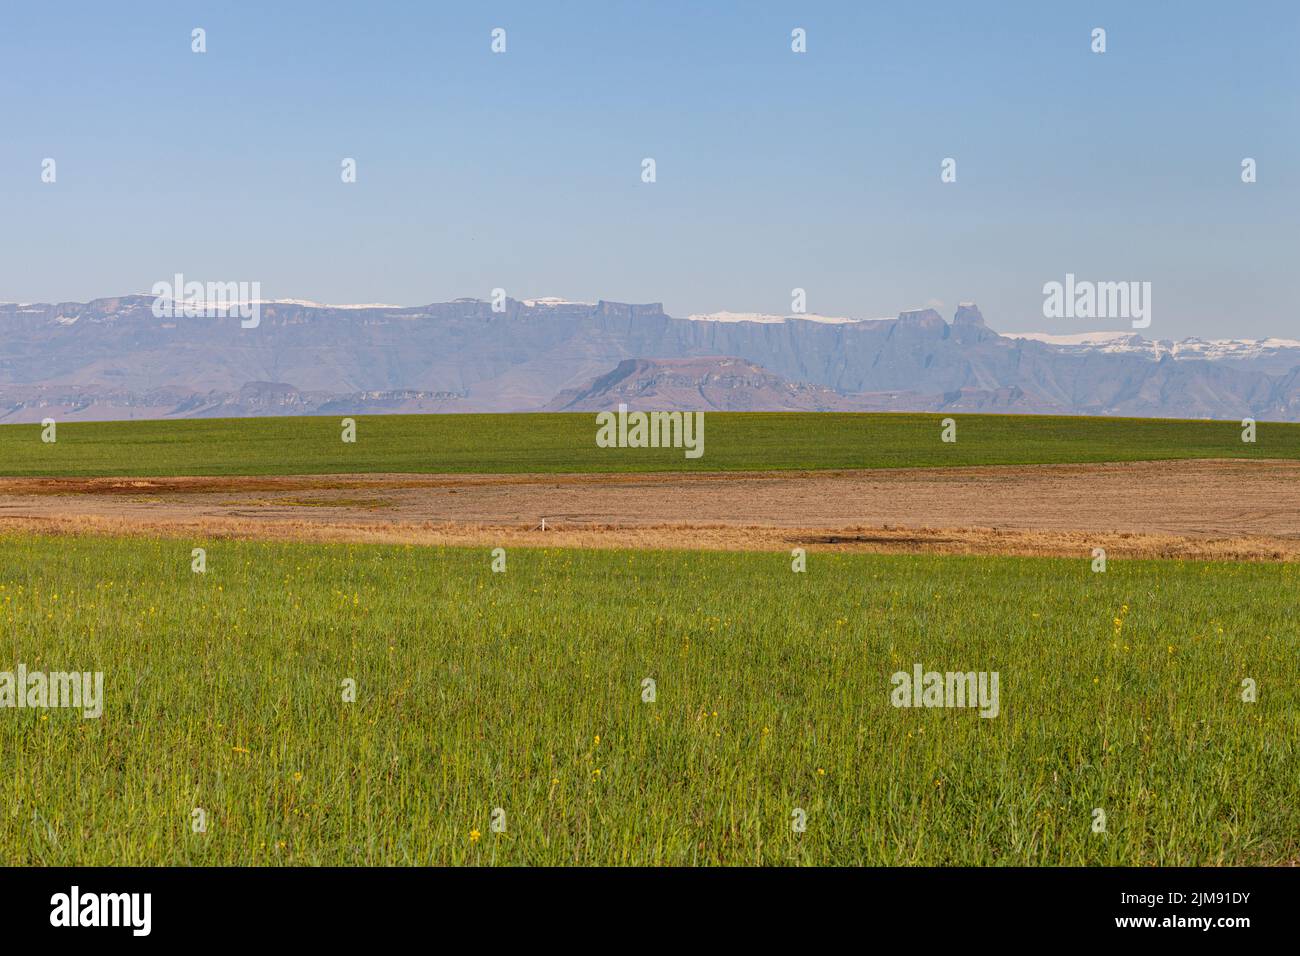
(523, 690)
(566, 443)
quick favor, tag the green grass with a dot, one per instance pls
(566, 443)
(478, 690)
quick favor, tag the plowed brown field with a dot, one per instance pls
(1212, 509)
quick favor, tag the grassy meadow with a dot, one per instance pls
(523, 690)
(552, 443)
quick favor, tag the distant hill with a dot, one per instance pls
(703, 384)
(112, 359)
(734, 385)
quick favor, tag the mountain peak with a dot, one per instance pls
(925, 318)
(112, 358)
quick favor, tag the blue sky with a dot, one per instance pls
(775, 170)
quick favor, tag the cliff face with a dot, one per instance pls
(111, 358)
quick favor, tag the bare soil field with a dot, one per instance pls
(1226, 509)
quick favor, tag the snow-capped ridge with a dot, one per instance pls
(770, 319)
(552, 300)
(1118, 341)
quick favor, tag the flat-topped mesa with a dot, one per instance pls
(626, 310)
(968, 327)
(926, 320)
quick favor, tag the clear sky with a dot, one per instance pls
(775, 170)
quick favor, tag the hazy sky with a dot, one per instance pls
(775, 170)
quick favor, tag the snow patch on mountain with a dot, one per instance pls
(551, 300)
(768, 319)
(1189, 348)
(308, 304)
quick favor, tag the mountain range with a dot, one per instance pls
(112, 358)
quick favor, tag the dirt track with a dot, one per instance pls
(1226, 509)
